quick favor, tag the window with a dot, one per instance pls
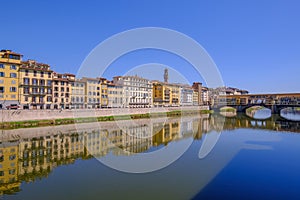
(42, 82)
(26, 72)
(26, 81)
(34, 90)
(12, 171)
(12, 157)
(26, 90)
(42, 74)
(2, 74)
(34, 73)
(49, 74)
(62, 83)
(13, 89)
(49, 98)
(1, 89)
(13, 75)
(13, 67)
(2, 66)
(34, 81)
(26, 98)
(1, 81)
(13, 82)
(49, 83)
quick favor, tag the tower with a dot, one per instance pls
(166, 75)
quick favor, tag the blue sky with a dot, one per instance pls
(255, 44)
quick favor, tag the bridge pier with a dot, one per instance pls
(274, 109)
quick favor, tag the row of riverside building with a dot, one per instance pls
(33, 85)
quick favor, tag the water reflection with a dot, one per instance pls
(258, 112)
(32, 154)
(291, 114)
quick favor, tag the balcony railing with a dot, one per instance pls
(38, 93)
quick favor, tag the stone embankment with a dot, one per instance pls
(27, 115)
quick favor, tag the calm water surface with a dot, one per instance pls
(252, 159)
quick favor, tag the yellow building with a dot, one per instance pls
(166, 94)
(115, 95)
(35, 85)
(92, 91)
(9, 66)
(62, 90)
(78, 94)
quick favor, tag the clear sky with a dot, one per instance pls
(254, 43)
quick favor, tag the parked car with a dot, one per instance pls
(12, 107)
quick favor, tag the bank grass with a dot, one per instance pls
(253, 109)
(65, 121)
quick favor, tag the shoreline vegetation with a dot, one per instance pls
(251, 111)
(65, 121)
(228, 111)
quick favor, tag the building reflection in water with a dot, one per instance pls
(31, 154)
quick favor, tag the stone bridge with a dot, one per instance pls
(275, 102)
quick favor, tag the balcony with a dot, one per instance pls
(38, 93)
(34, 85)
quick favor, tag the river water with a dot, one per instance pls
(227, 158)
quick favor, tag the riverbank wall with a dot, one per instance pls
(25, 115)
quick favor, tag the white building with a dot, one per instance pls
(137, 91)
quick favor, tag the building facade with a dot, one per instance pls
(197, 86)
(115, 95)
(165, 94)
(35, 85)
(195, 98)
(186, 95)
(205, 96)
(62, 90)
(137, 91)
(92, 91)
(9, 89)
(104, 92)
(78, 94)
